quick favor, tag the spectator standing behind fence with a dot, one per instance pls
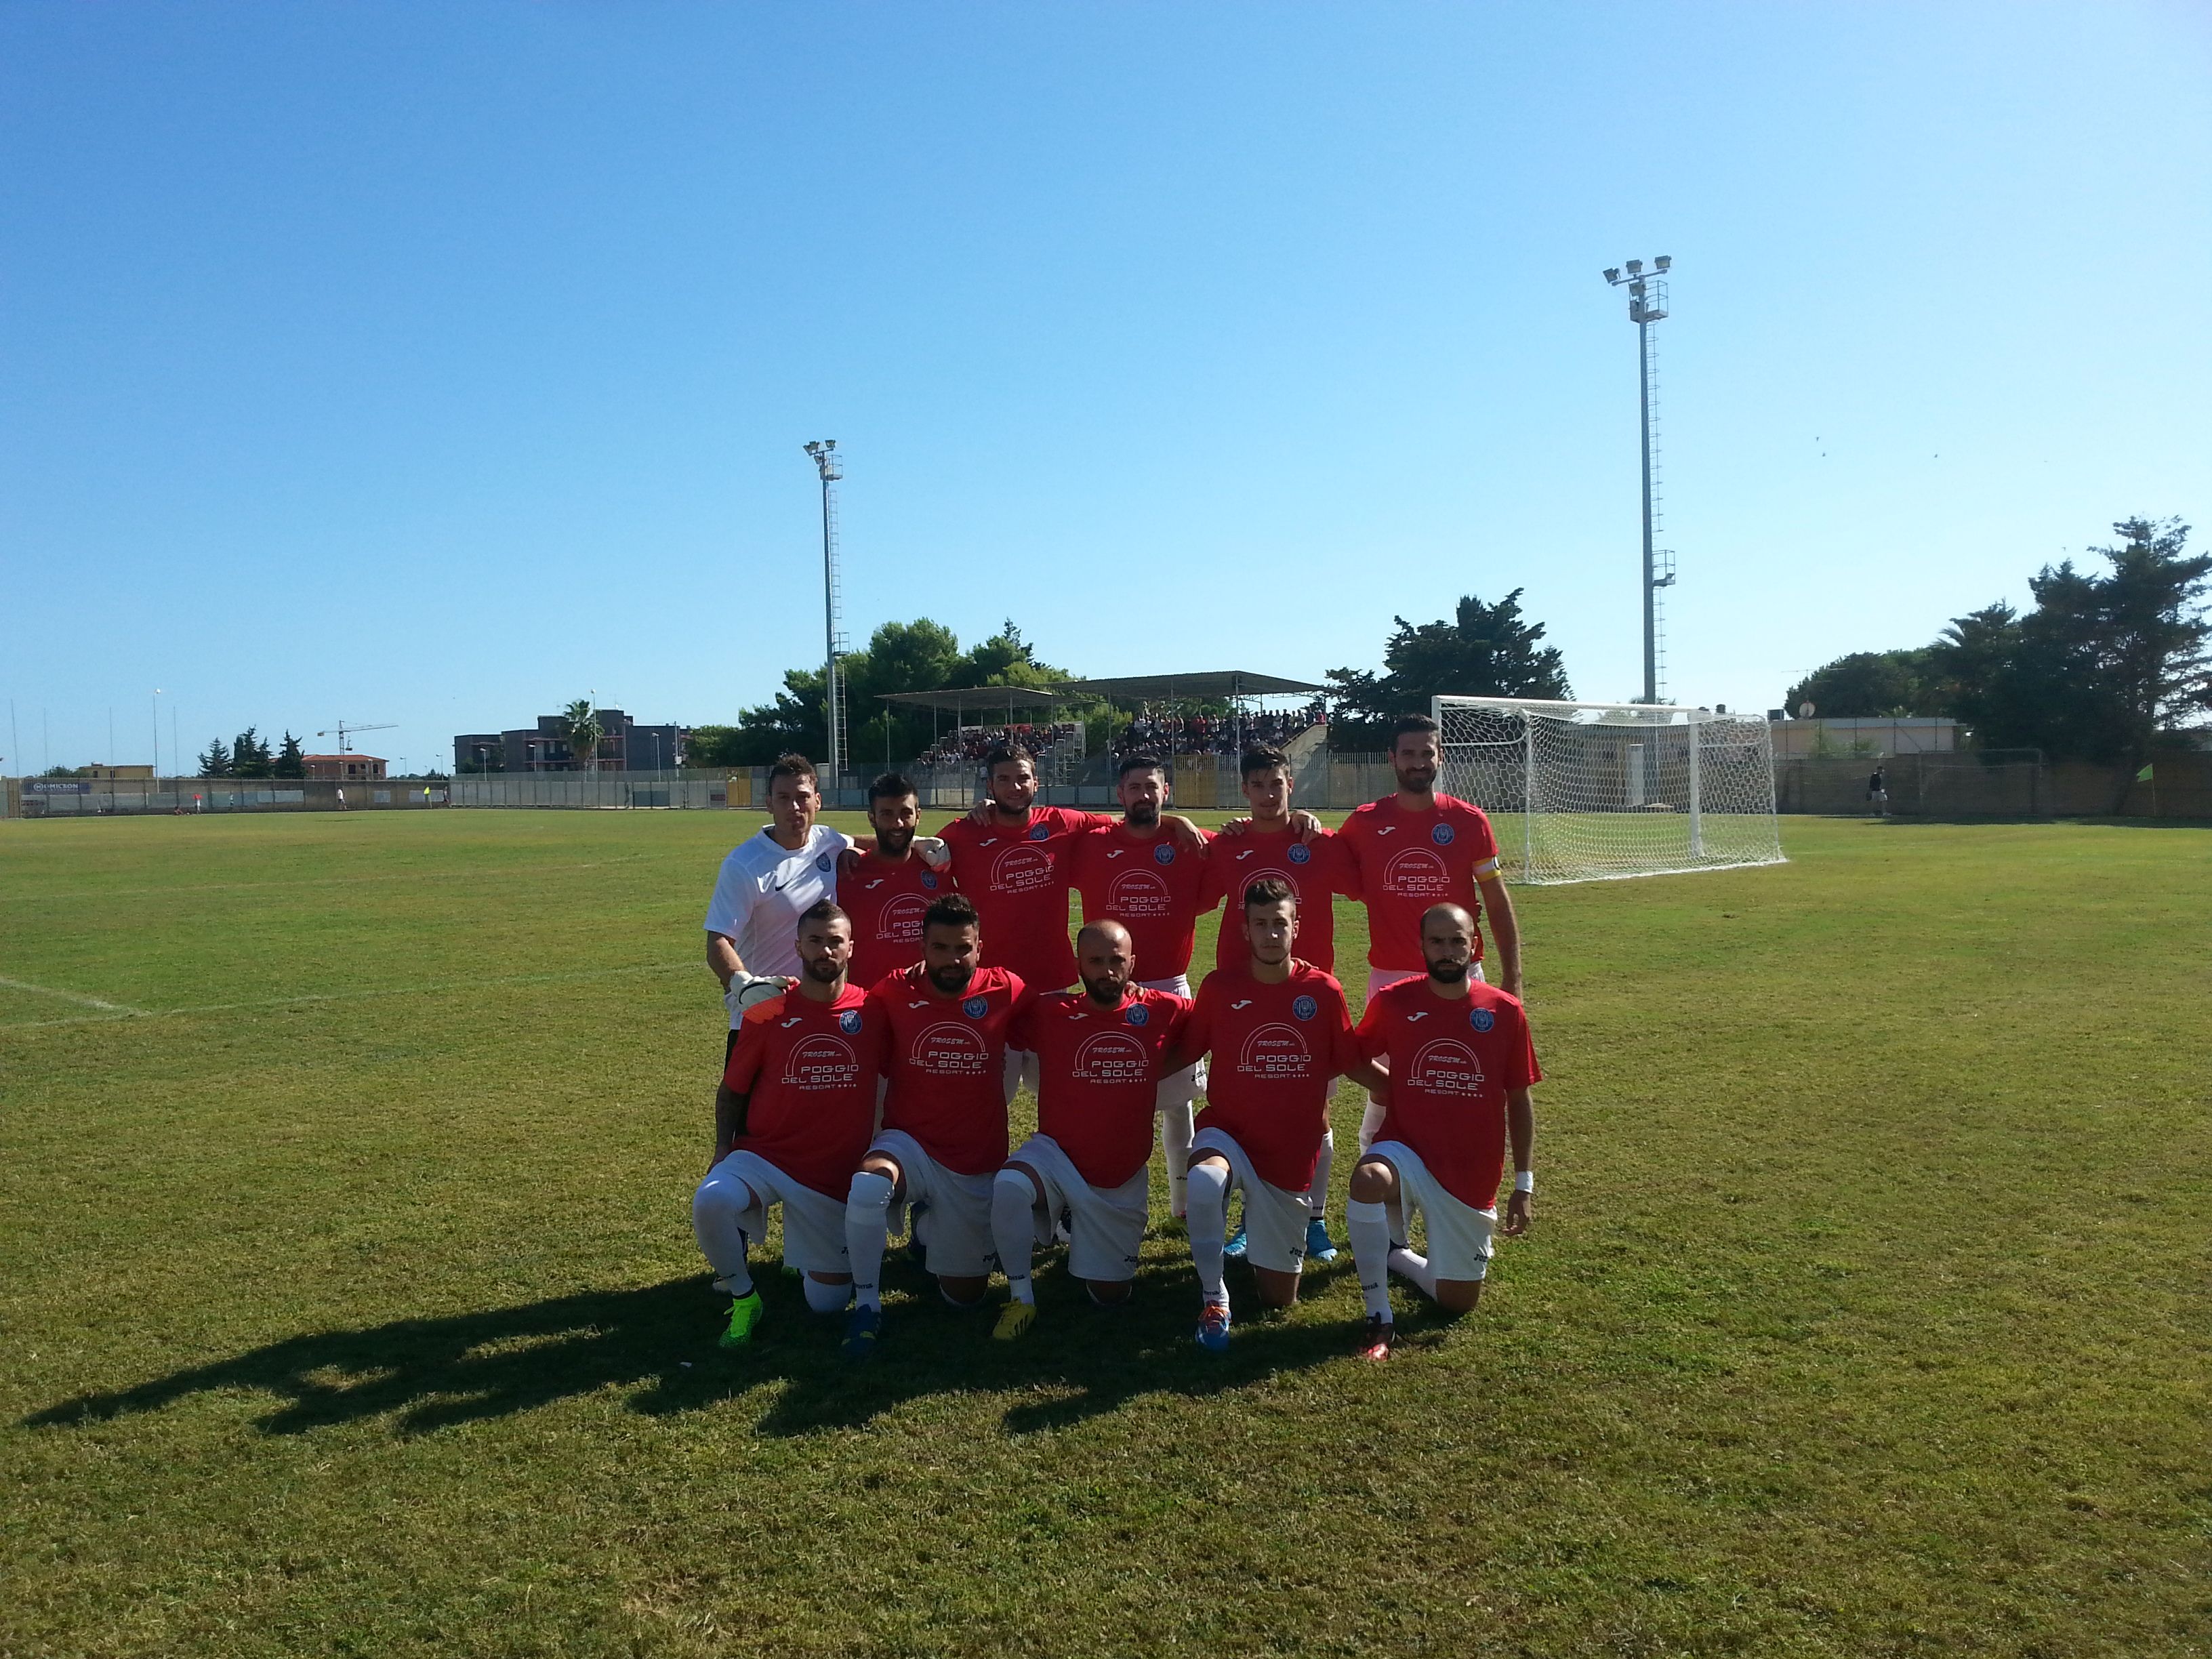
(1878, 792)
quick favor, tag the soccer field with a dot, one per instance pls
(350, 1302)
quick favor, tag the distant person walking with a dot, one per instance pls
(1878, 792)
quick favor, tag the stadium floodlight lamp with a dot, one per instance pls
(1663, 261)
(1612, 273)
(1635, 265)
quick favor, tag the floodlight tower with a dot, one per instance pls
(1647, 304)
(825, 456)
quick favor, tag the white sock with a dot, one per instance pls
(867, 1211)
(1174, 1140)
(1317, 1195)
(1209, 1226)
(1369, 1229)
(1407, 1265)
(1014, 1213)
(720, 1210)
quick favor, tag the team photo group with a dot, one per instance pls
(890, 995)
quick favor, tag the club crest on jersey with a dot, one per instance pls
(929, 879)
(1140, 1014)
(1043, 832)
(821, 863)
(976, 1007)
(1481, 1019)
(849, 1022)
(1305, 1008)
(1163, 853)
(1300, 852)
(1443, 835)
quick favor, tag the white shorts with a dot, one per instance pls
(1178, 1087)
(1274, 1221)
(813, 1223)
(1380, 979)
(1105, 1225)
(1459, 1235)
(952, 1211)
(1021, 1068)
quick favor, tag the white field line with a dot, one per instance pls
(118, 1009)
(412, 877)
(118, 1012)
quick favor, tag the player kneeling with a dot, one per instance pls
(1098, 1067)
(1280, 1035)
(792, 1119)
(944, 1117)
(1460, 1064)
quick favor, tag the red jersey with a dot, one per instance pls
(886, 900)
(1451, 1062)
(1017, 879)
(1276, 1050)
(946, 1060)
(1408, 861)
(810, 1070)
(1098, 1074)
(1151, 885)
(1316, 870)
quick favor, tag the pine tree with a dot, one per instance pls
(291, 759)
(216, 762)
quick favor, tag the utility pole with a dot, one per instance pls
(825, 456)
(1647, 304)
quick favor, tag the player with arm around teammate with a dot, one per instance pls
(944, 1133)
(1460, 1066)
(1098, 1067)
(765, 884)
(791, 1119)
(1280, 1035)
(885, 887)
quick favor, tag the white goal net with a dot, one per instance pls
(1589, 791)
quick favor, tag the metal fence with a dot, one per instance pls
(73, 798)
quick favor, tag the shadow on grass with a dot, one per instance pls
(1077, 1362)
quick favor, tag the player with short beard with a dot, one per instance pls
(792, 1119)
(886, 889)
(1280, 1035)
(1460, 1066)
(943, 1134)
(1099, 1063)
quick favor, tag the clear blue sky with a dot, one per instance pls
(437, 363)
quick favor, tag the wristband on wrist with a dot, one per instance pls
(1524, 1181)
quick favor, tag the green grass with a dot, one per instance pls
(349, 1303)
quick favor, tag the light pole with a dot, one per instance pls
(825, 456)
(1647, 304)
(157, 731)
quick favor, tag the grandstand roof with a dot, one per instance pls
(1215, 683)
(963, 699)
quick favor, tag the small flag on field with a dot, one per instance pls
(2143, 776)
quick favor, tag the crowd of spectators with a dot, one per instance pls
(1164, 732)
(968, 746)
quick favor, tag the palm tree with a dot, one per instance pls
(579, 724)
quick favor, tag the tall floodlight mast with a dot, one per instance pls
(824, 454)
(1647, 304)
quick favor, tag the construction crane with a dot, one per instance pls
(344, 733)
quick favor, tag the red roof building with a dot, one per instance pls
(344, 769)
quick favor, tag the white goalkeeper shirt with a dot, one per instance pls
(762, 890)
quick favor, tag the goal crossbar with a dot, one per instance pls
(1594, 792)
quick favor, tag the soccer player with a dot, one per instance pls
(1460, 1066)
(1098, 1052)
(791, 1119)
(1279, 1034)
(1011, 861)
(887, 890)
(1316, 865)
(1419, 847)
(943, 1134)
(1131, 872)
(766, 883)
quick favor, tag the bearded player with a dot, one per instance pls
(1133, 872)
(1280, 1035)
(1012, 864)
(1460, 1065)
(1419, 847)
(943, 1134)
(1275, 844)
(886, 890)
(791, 1119)
(1098, 1067)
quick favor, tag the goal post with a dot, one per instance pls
(1599, 791)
